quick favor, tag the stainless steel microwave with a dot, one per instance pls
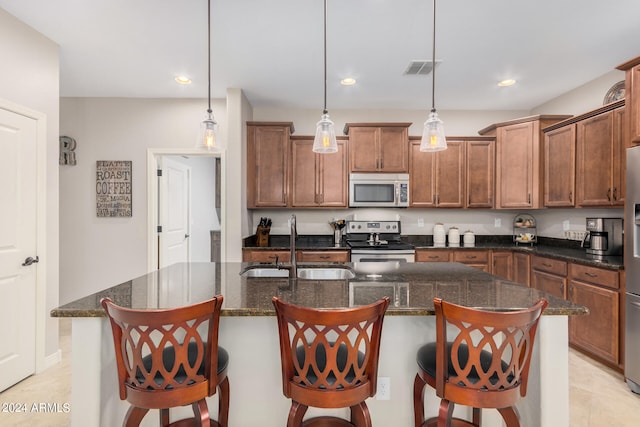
(379, 190)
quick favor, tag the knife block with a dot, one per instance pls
(262, 236)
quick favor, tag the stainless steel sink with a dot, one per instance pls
(307, 273)
(330, 273)
(265, 272)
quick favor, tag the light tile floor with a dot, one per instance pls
(598, 396)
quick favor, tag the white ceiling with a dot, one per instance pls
(273, 49)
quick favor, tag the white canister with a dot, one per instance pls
(439, 236)
(454, 237)
(469, 239)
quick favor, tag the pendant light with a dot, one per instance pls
(325, 140)
(207, 137)
(433, 138)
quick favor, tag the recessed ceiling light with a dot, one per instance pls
(507, 82)
(183, 80)
(348, 81)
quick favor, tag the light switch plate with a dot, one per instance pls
(420, 222)
(497, 223)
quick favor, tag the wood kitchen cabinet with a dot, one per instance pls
(519, 161)
(560, 166)
(502, 264)
(598, 333)
(268, 156)
(632, 100)
(378, 147)
(431, 255)
(474, 258)
(549, 275)
(318, 180)
(307, 255)
(522, 268)
(600, 159)
(437, 179)
(480, 172)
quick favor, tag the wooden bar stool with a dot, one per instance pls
(329, 360)
(486, 365)
(163, 362)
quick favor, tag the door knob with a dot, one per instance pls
(30, 261)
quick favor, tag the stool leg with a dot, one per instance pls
(223, 403)
(418, 400)
(201, 412)
(164, 417)
(296, 414)
(510, 416)
(360, 416)
(445, 413)
(134, 416)
(477, 417)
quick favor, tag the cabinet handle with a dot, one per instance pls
(615, 193)
(437, 199)
(562, 287)
(471, 257)
(433, 257)
(547, 265)
(529, 198)
(570, 196)
(592, 275)
(609, 194)
(324, 257)
(381, 163)
(468, 200)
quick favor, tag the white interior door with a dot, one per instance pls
(175, 189)
(17, 242)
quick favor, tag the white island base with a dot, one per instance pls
(256, 384)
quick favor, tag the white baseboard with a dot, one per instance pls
(51, 360)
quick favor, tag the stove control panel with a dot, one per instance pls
(392, 227)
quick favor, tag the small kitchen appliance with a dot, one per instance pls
(379, 190)
(604, 236)
(377, 241)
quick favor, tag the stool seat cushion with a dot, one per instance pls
(321, 361)
(168, 360)
(426, 358)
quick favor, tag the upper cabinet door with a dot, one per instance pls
(267, 164)
(515, 166)
(480, 158)
(595, 160)
(450, 175)
(363, 149)
(422, 177)
(560, 167)
(394, 149)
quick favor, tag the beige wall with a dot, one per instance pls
(29, 77)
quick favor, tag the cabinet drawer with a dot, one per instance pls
(265, 256)
(433, 256)
(594, 275)
(549, 265)
(471, 257)
(323, 256)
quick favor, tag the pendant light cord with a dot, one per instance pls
(325, 111)
(209, 51)
(433, 62)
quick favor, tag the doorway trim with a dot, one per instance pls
(152, 198)
(42, 361)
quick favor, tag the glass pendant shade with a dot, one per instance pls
(433, 138)
(325, 140)
(208, 138)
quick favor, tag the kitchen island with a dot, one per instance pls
(248, 331)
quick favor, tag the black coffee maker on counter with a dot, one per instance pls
(604, 236)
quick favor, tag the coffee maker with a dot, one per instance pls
(604, 236)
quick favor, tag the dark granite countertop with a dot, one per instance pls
(562, 249)
(411, 287)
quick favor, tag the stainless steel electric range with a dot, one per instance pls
(377, 241)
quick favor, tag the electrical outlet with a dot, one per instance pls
(566, 225)
(420, 222)
(384, 388)
(497, 223)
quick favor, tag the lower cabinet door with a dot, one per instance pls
(599, 331)
(549, 283)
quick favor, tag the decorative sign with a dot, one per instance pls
(113, 188)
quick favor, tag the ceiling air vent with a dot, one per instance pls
(419, 68)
